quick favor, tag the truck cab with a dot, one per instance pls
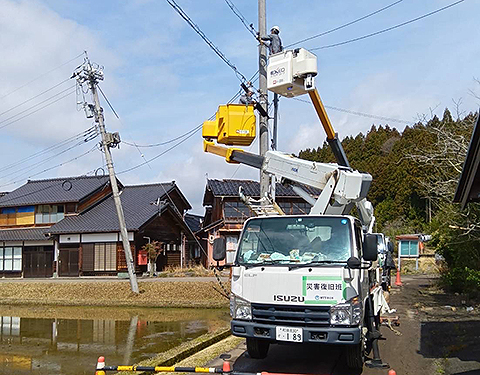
(302, 279)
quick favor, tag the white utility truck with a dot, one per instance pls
(303, 278)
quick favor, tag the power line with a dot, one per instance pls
(215, 49)
(34, 97)
(387, 29)
(360, 113)
(232, 99)
(53, 167)
(197, 128)
(108, 102)
(248, 26)
(159, 155)
(4, 200)
(40, 76)
(166, 142)
(369, 115)
(35, 165)
(345, 25)
(39, 109)
(118, 117)
(85, 133)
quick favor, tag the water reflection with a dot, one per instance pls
(60, 346)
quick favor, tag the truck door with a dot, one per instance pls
(363, 273)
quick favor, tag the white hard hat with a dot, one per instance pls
(275, 28)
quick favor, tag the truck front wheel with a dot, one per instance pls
(256, 348)
(355, 354)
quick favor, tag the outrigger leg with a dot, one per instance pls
(373, 335)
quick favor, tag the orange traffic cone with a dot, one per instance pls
(398, 282)
(100, 366)
(226, 367)
(392, 372)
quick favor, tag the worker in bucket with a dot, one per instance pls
(247, 98)
(274, 43)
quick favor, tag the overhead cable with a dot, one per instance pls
(34, 97)
(42, 75)
(388, 29)
(215, 49)
(345, 25)
(36, 105)
(195, 129)
(359, 113)
(108, 102)
(53, 167)
(60, 144)
(248, 26)
(159, 155)
(32, 167)
(166, 142)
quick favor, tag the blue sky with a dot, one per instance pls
(163, 80)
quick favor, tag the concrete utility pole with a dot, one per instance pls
(262, 69)
(91, 75)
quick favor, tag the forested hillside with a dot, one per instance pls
(415, 174)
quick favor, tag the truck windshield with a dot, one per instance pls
(295, 240)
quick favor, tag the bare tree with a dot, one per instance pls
(153, 250)
(443, 160)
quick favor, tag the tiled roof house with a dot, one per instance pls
(69, 227)
(225, 213)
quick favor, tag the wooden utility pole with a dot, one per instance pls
(262, 69)
(91, 75)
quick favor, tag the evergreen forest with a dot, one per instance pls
(415, 174)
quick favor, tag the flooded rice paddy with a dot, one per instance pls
(68, 340)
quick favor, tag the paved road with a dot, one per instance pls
(292, 359)
(424, 347)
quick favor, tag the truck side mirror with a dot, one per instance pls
(219, 249)
(354, 263)
(370, 252)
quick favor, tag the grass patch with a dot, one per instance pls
(115, 293)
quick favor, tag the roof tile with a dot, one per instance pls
(138, 206)
(57, 190)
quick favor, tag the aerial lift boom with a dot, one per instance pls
(291, 73)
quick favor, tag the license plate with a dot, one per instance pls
(289, 334)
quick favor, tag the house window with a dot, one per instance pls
(8, 216)
(408, 248)
(105, 257)
(10, 325)
(24, 215)
(286, 207)
(236, 210)
(47, 213)
(197, 251)
(301, 208)
(10, 258)
(88, 257)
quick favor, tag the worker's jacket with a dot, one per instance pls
(275, 45)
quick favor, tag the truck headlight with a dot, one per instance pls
(348, 313)
(239, 308)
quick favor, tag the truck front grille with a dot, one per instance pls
(291, 315)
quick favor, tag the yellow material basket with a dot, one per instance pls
(235, 125)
